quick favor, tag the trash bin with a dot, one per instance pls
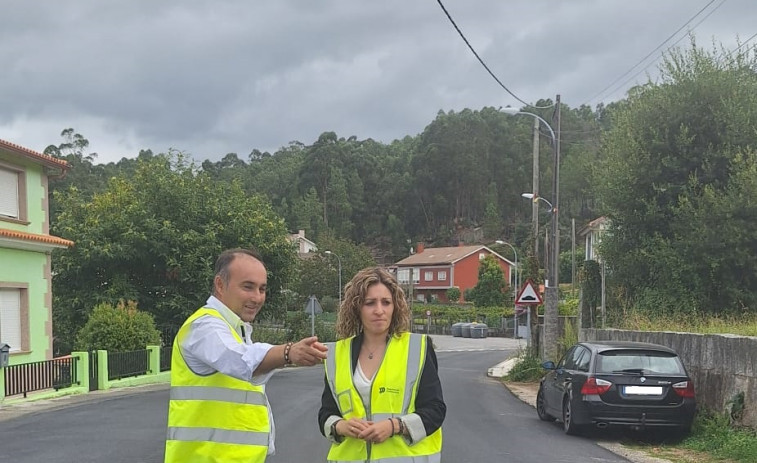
(457, 329)
(479, 330)
(466, 329)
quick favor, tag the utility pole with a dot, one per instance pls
(535, 191)
(573, 256)
(533, 310)
(551, 326)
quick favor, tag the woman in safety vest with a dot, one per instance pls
(382, 400)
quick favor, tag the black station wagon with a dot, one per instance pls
(601, 384)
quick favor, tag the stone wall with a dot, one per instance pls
(721, 365)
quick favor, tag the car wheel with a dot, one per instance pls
(541, 409)
(570, 428)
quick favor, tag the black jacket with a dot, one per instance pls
(429, 402)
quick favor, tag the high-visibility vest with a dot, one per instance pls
(214, 418)
(393, 391)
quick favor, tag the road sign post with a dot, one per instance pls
(528, 295)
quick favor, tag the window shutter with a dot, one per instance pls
(10, 318)
(8, 193)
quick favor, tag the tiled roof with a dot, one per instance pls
(433, 256)
(39, 157)
(595, 224)
(33, 237)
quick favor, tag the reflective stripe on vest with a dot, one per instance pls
(219, 394)
(398, 373)
(207, 413)
(221, 436)
(433, 458)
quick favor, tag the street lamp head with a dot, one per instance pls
(525, 195)
(327, 252)
(499, 242)
(510, 111)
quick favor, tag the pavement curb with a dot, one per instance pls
(501, 369)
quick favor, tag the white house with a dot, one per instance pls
(592, 233)
(304, 245)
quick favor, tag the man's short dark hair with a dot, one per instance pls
(226, 257)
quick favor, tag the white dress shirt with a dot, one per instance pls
(210, 347)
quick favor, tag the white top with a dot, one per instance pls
(363, 385)
(210, 347)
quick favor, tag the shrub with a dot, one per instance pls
(449, 314)
(453, 294)
(329, 304)
(269, 334)
(527, 369)
(568, 306)
(298, 325)
(117, 329)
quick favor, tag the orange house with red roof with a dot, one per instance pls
(26, 322)
(435, 270)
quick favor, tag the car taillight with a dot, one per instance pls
(594, 386)
(684, 389)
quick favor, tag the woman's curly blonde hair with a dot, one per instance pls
(348, 321)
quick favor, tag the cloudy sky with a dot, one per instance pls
(221, 76)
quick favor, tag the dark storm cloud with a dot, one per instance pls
(229, 76)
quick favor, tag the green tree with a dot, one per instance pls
(119, 328)
(490, 291)
(591, 292)
(153, 237)
(453, 294)
(675, 184)
(318, 275)
(83, 175)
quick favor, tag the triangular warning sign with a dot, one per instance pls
(528, 295)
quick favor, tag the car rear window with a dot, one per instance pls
(638, 361)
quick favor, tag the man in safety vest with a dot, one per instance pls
(218, 411)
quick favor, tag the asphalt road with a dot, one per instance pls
(485, 422)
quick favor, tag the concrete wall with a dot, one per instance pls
(721, 365)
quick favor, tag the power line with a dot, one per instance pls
(744, 43)
(482, 61)
(625, 82)
(601, 92)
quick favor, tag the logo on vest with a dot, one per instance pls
(383, 389)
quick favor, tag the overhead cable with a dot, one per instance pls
(601, 92)
(484, 64)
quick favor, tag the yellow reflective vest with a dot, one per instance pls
(393, 392)
(214, 418)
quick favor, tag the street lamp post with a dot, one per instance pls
(339, 261)
(517, 287)
(551, 285)
(538, 198)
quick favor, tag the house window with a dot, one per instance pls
(442, 275)
(12, 193)
(481, 255)
(416, 275)
(428, 276)
(10, 317)
(403, 276)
